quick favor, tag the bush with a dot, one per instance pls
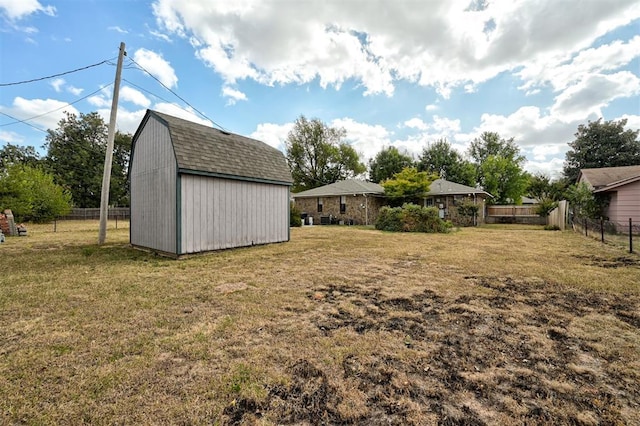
(294, 216)
(552, 228)
(411, 218)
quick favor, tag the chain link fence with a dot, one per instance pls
(624, 234)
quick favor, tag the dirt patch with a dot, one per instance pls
(613, 262)
(507, 357)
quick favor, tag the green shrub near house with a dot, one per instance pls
(294, 216)
(411, 218)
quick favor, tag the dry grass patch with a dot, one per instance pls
(341, 325)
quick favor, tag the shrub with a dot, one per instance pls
(294, 216)
(411, 218)
(552, 228)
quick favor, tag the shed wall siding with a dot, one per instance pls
(153, 189)
(225, 213)
(625, 203)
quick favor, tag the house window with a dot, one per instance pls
(343, 204)
(429, 202)
(319, 205)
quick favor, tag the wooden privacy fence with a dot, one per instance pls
(558, 216)
(511, 211)
(115, 213)
(514, 214)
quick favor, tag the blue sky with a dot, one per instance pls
(392, 73)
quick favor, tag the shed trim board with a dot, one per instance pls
(234, 177)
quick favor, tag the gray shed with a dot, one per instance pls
(195, 188)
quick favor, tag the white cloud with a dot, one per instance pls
(178, 111)
(11, 137)
(57, 84)
(416, 123)
(156, 65)
(366, 139)
(272, 134)
(75, 90)
(48, 112)
(590, 95)
(633, 121)
(126, 121)
(443, 45)
(161, 36)
(128, 94)
(431, 107)
(118, 29)
(15, 10)
(233, 95)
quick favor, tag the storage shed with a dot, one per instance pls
(195, 188)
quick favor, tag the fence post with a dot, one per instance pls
(117, 214)
(630, 236)
(585, 228)
(55, 225)
(602, 229)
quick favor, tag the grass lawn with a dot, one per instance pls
(341, 325)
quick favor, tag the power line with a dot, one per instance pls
(176, 95)
(55, 75)
(57, 109)
(21, 121)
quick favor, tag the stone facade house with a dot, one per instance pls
(349, 201)
(621, 185)
(358, 202)
(446, 195)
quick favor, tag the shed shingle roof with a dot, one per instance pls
(203, 149)
(608, 176)
(343, 187)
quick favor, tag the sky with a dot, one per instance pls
(390, 72)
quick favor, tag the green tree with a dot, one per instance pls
(583, 203)
(31, 194)
(387, 163)
(408, 186)
(317, 155)
(499, 164)
(504, 179)
(546, 192)
(16, 154)
(445, 161)
(602, 144)
(75, 156)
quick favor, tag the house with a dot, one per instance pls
(621, 185)
(446, 195)
(195, 188)
(348, 201)
(358, 202)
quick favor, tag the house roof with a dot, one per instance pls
(201, 149)
(343, 187)
(445, 187)
(606, 178)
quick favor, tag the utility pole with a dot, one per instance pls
(106, 176)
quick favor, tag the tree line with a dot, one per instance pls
(39, 188)
(318, 155)
(70, 174)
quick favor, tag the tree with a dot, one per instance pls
(386, 163)
(75, 156)
(499, 167)
(547, 193)
(602, 144)
(317, 155)
(31, 194)
(504, 179)
(16, 154)
(440, 158)
(583, 202)
(408, 186)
